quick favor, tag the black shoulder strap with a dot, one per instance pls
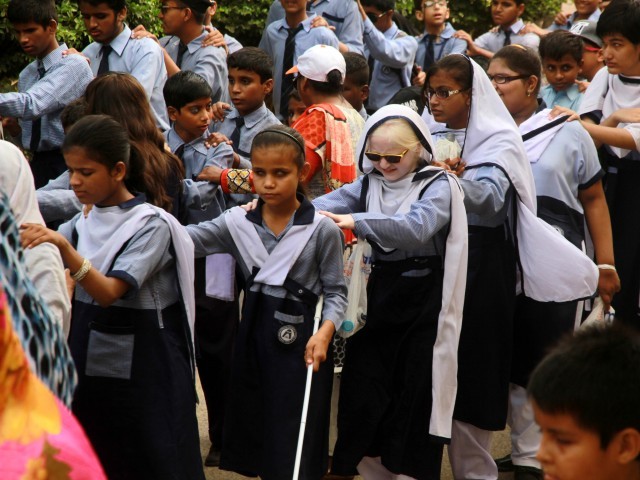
(544, 128)
(364, 192)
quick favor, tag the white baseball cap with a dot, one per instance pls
(318, 61)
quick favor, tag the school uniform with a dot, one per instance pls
(249, 126)
(494, 41)
(397, 394)
(268, 376)
(216, 302)
(501, 205)
(569, 98)
(45, 87)
(195, 157)
(606, 94)
(136, 394)
(233, 45)
(342, 15)
(391, 55)
(443, 44)
(571, 21)
(208, 62)
(141, 58)
(273, 42)
(564, 161)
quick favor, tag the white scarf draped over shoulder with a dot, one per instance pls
(553, 270)
(392, 200)
(101, 235)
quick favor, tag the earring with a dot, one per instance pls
(529, 93)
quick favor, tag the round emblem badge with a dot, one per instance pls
(287, 334)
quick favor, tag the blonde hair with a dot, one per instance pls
(401, 132)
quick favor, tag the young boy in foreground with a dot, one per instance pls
(585, 397)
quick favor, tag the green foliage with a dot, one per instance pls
(243, 19)
(474, 15)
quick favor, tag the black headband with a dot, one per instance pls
(286, 134)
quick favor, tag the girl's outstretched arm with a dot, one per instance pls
(104, 290)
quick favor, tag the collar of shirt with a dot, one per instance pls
(445, 34)
(306, 24)
(120, 42)
(175, 141)
(594, 17)
(516, 27)
(392, 31)
(139, 199)
(315, 3)
(54, 57)
(302, 216)
(551, 96)
(251, 119)
(196, 44)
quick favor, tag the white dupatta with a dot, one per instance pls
(444, 384)
(553, 270)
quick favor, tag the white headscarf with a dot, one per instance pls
(445, 351)
(553, 270)
(44, 263)
(608, 93)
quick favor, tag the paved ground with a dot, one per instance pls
(500, 447)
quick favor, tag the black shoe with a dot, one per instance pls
(526, 473)
(213, 458)
(504, 463)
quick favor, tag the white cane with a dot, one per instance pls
(307, 394)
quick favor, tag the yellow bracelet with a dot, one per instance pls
(83, 271)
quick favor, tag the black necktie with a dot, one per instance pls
(507, 37)
(235, 136)
(179, 151)
(287, 80)
(36, 125)
(104, 61)
(181, 49)
(430, 55)
(372, 63)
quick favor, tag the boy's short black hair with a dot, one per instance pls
(557, 44)
(622, 17)
(252, 59)
(357, 68)
(185, 87)
(115, 5)
(38, 11)
(593, 376)
(380, 5)
(73, 112)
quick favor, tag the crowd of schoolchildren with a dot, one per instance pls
(203, 197)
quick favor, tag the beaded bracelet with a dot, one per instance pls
(82, 271)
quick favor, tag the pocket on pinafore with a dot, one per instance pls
(110, 351)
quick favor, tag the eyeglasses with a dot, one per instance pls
(389, 157)
(430, 4)
(165, 8)
(375, 17)
(442, 93)
(502, 79)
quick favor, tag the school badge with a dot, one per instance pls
(287, 334)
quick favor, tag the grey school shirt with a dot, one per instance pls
(254, 123)
(208, 62)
